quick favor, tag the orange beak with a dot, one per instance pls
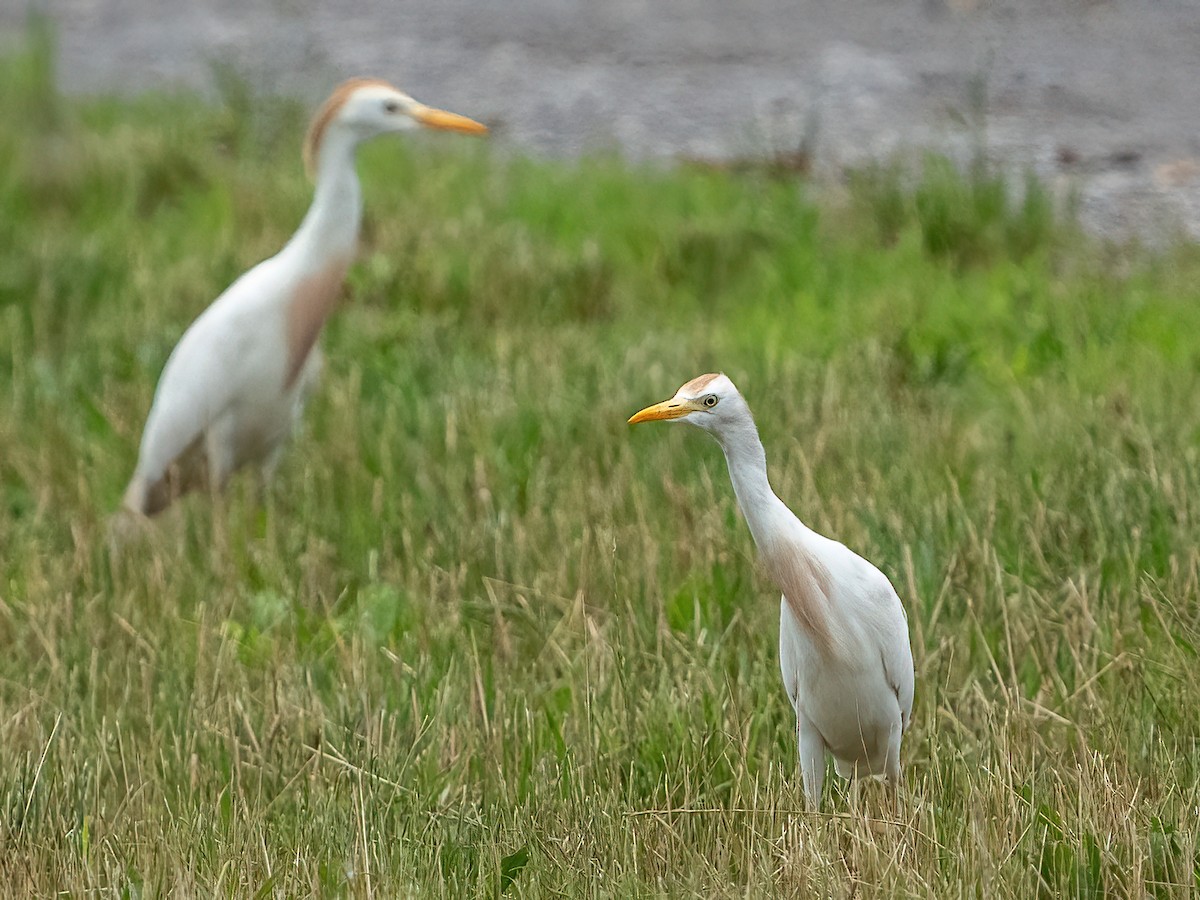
(447, 121)
(668, 409)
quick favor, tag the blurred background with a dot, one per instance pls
(1100, 99)
(480, 635)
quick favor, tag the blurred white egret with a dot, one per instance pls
(235, 383)
(843, 642)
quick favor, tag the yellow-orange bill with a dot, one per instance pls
(448, 121)
(668, 409)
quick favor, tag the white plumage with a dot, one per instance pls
(843, 635)
(236, 382)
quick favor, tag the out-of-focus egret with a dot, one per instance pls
(843, 641)
(236, 382)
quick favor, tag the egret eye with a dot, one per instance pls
(391, 106)
(710, 401)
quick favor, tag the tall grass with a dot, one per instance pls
(482, 639)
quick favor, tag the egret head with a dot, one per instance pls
(363, 108)
(708, 401)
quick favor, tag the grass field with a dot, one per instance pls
(485, 639)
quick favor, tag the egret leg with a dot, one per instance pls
(218, 451)
(136, 496)
(812, 760)
(266, 473)
(219, 456)
(893, 766)
(271, 465)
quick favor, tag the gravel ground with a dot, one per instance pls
(1099, 97)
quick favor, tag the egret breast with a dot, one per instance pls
(311, 303)
(807, 589)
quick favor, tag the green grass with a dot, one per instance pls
(484, 638)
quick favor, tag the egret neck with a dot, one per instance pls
(329, 231)
(320, 252)
(765, 513)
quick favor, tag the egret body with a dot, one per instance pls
(236, 382)
(843, 635)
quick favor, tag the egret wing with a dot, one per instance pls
(201, 377)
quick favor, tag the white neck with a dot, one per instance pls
(765, 513)
(330, 228)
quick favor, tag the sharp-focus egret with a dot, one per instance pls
(235, 383)
(843, 639)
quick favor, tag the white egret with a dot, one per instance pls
(843, 641)
(236, 382)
